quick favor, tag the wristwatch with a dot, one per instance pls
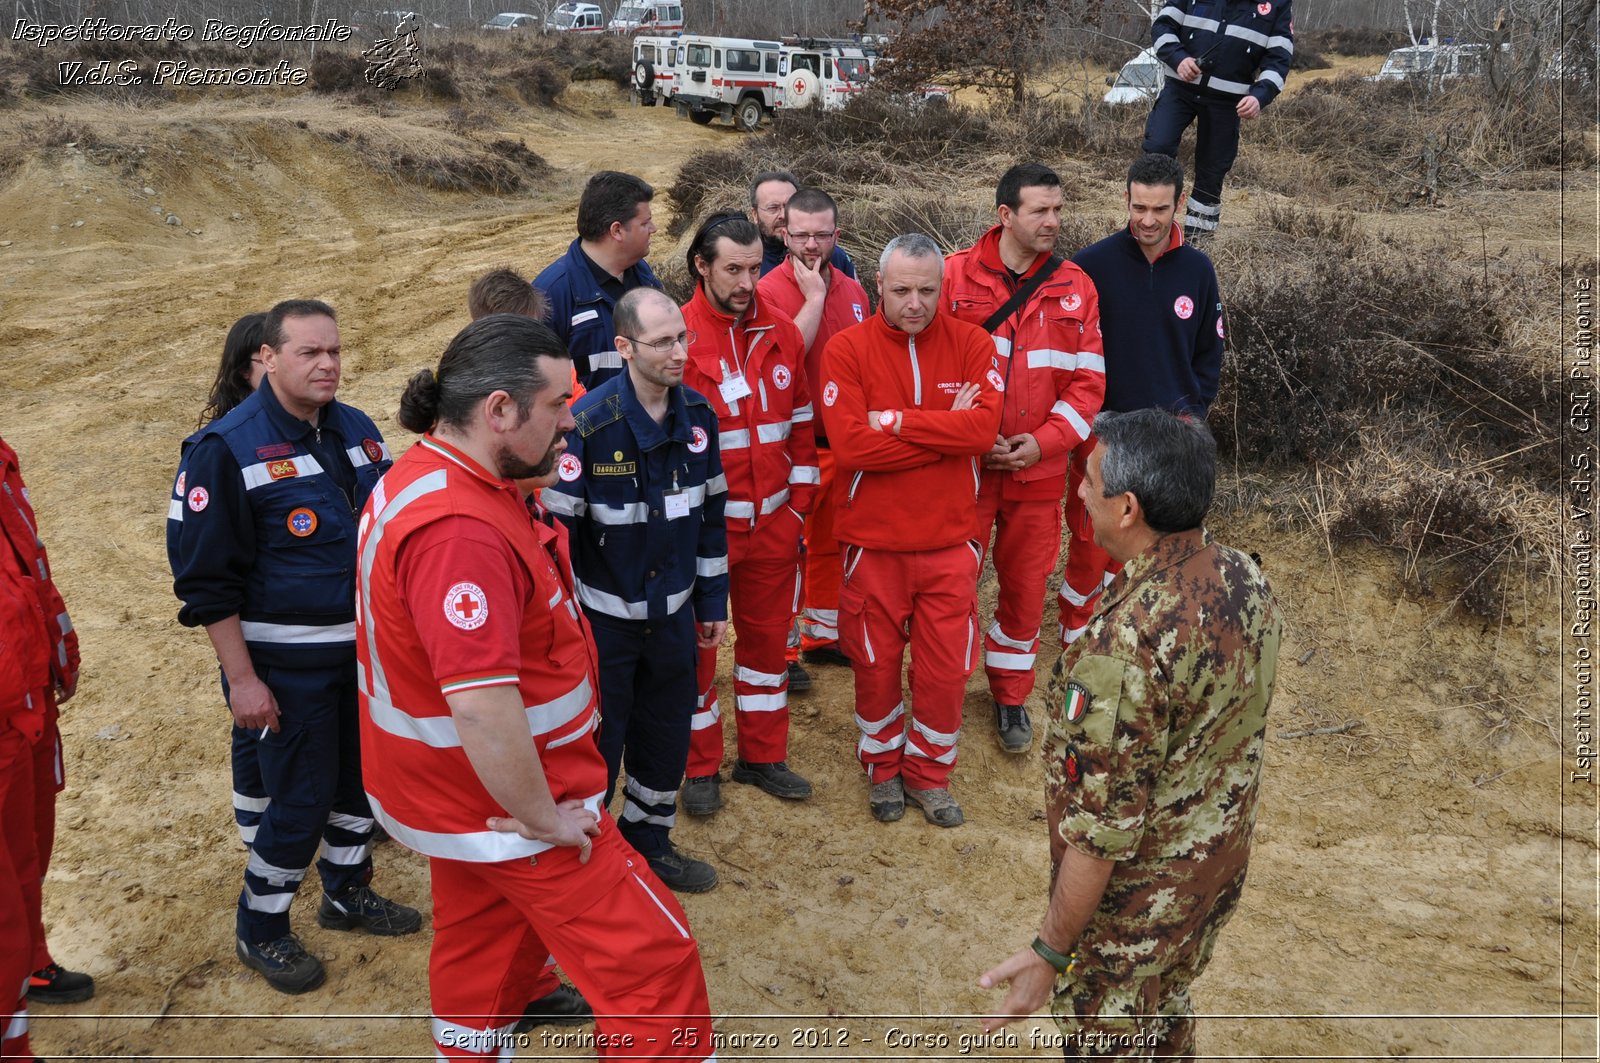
(886, 419)
(1061, 963)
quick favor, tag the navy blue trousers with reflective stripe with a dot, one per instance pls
(647, 697)
(311, 773)
(249, 796)
(1216, 142)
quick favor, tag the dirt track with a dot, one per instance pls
(1409, 868)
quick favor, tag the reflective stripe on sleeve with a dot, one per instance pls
(440, 731)
(1062, 408)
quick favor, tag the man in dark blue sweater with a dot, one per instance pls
(1161, 319)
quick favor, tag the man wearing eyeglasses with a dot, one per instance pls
(823, 301)
(749, 362)
(641, 490)
(770, 191)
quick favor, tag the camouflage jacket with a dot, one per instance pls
(1153, 751)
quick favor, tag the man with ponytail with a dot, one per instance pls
(479, 709)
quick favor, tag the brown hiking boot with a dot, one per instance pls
(938, 806)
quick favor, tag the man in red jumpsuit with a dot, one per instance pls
(910, 399)
(478, 715)
(750, 364)
(1044, 318)
(38, 671)
(823, 301)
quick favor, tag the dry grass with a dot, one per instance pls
(1396, 145)
(1418, 408)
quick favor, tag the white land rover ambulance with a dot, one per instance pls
(655, 68)
(735, 78)
(821, 71)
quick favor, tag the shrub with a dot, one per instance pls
(333, 71)
(1351, 40)
(539, 81)
(1306, 57)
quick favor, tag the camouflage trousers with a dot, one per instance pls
(1140, 1016)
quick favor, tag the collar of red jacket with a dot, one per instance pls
(700, 307)
(712, 326)
(988, 249)
(453, 453)
(893, 333)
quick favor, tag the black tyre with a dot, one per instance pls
(702, 117)
(748, 114)
(644, 83)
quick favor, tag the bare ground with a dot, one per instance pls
(1414, 890)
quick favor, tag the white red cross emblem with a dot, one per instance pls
(465, 606)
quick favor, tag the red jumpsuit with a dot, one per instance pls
(459, 590)
(38, 664)
(907, 516)
(1049, 354)
(845, 305)
(769, 456)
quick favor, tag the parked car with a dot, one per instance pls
(1139, 80)
(513, 21)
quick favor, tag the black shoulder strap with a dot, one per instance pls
(1024, 290)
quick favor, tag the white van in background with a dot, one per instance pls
(576, 18)
(645, 16)
(1436, 62)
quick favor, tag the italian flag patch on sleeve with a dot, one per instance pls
(1077, 702)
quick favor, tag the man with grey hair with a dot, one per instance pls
(910, 399)
(1152, 756)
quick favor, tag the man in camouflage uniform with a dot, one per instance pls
(1152, 757)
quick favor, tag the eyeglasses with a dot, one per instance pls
(806, 238)
(665, 346)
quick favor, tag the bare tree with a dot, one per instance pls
(990, 45)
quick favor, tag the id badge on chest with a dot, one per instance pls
(734, 387)
(676, 503)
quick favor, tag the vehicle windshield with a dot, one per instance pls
(852, 69)
(565, 19)
(631, 13)
(1141, 76)
(502, 20)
